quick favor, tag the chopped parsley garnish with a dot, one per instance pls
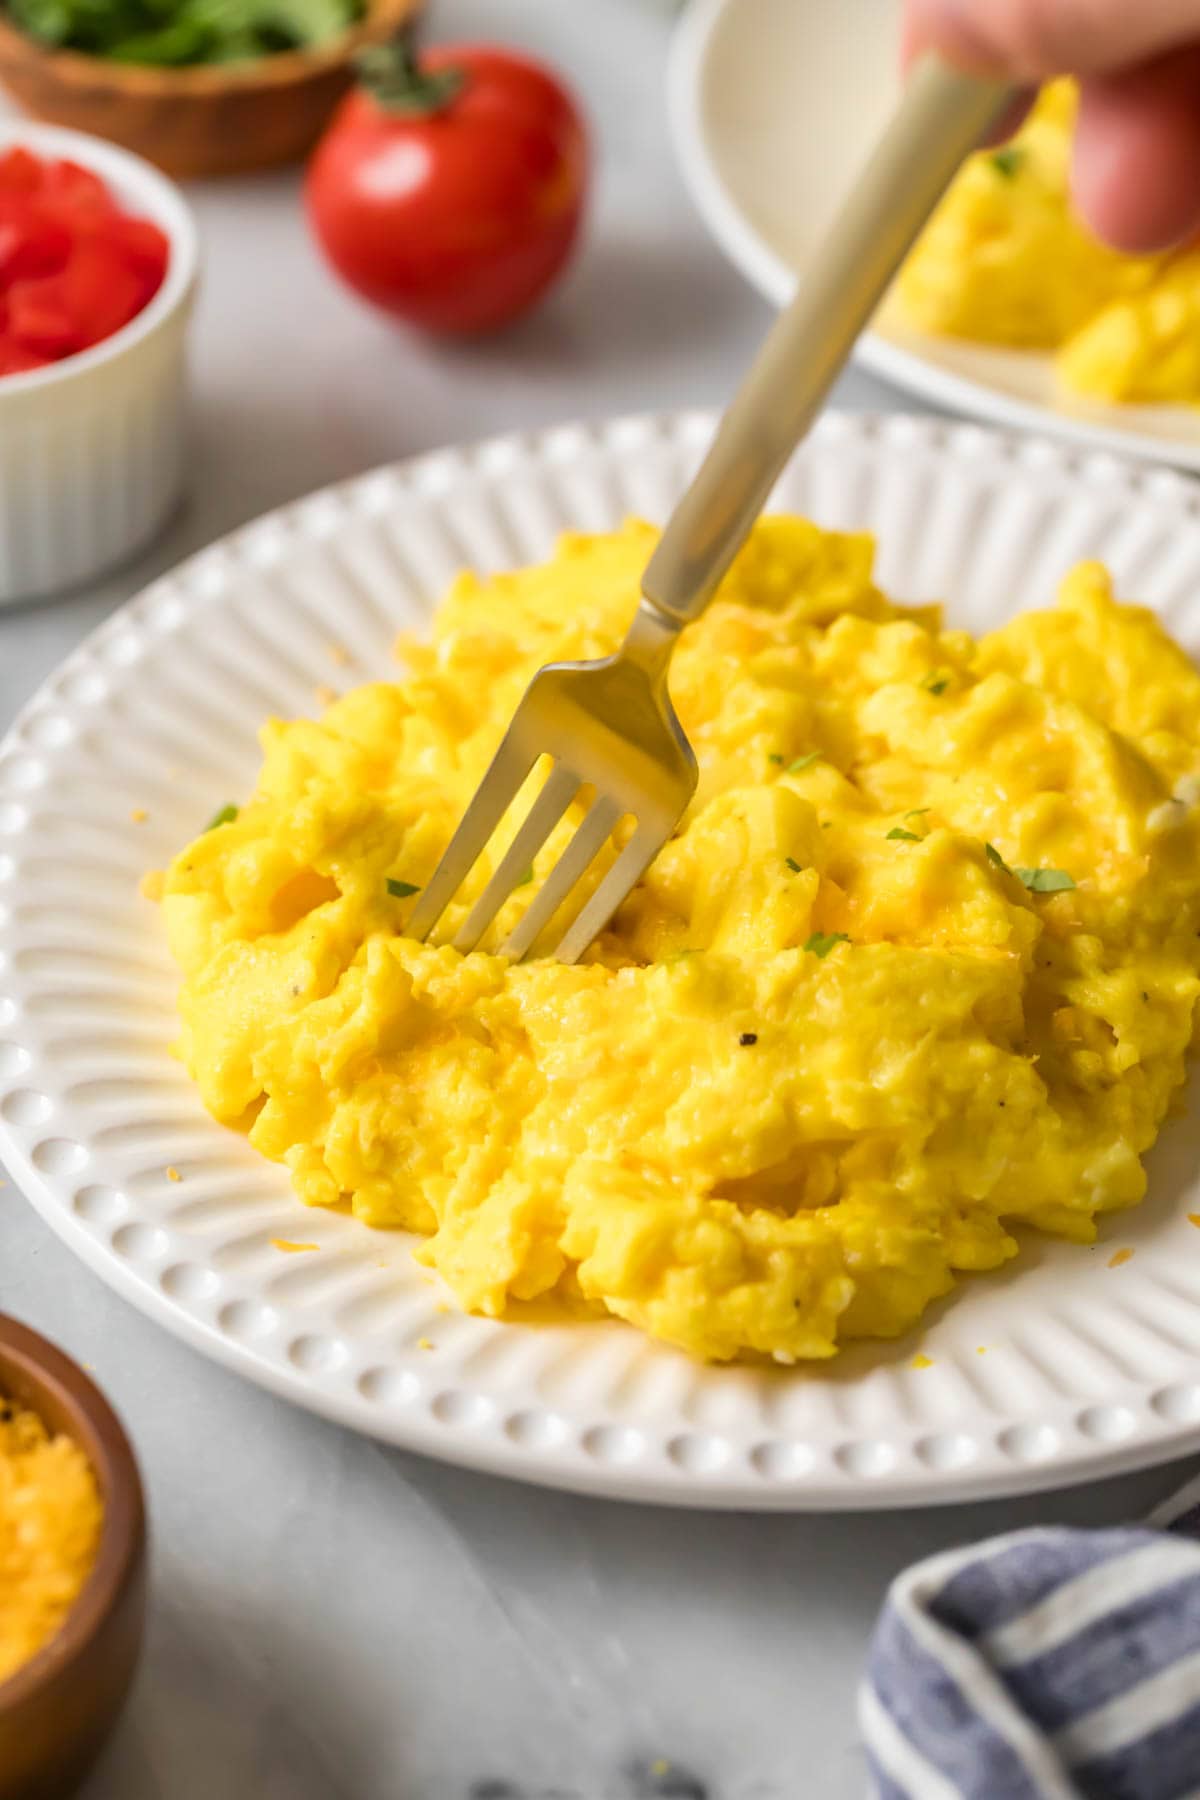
(775, 757)
(1007, 161)
(937, 686)
(1044, 881)
(917, 812)
(1037, 881)
(822, 942)
(792, 864)
(226, 816)
(171, 33)
(804, 762)
(524, 879)
(400, 890)
(910, 837)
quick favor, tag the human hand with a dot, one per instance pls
(1136, 171)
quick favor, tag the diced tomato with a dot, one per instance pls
(85, 303)
(40, 320)
(102, 292)
(16, 360)
(21, 172)
(68, 186)
(30, 244)
(142, 245)
(74, 268)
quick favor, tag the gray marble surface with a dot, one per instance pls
(331, 1620)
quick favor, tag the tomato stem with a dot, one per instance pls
(396, 82)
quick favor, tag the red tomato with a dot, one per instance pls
(450, 194)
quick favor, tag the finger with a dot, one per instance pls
(1136, 166)
(1012, 116)
(1030, 40)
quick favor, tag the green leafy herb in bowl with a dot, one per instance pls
(265, 78)
(178, 33)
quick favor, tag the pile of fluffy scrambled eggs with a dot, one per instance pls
(919, 965)
(1005, 260)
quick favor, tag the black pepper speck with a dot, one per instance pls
(747, 1038)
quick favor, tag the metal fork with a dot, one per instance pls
(609, 724)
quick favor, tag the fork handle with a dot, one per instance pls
(940, 119)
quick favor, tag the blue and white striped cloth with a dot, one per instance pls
(1045, 1665)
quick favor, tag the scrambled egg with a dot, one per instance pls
(919, 966)
(1004, 260)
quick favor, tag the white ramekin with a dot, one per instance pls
(92, 448)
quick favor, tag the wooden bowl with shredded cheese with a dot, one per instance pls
(58, 1705)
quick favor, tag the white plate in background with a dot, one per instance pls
(1087, 1369)
(774, 106)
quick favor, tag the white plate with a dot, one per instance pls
(1087, 1368)
(774, 104)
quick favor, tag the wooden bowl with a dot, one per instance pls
(209, 120)
(58, 1708)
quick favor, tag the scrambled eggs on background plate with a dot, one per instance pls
(1005, 260)
(919, 966)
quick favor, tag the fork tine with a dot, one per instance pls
(506, 771)
(557, 793)
(571, 865)
(638, 853)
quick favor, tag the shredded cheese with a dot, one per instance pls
(50, 1515)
